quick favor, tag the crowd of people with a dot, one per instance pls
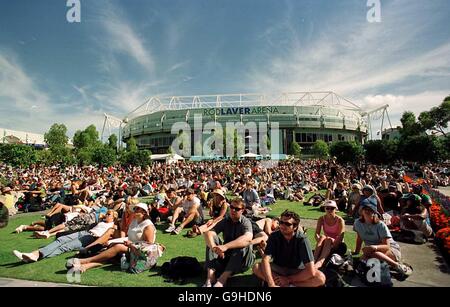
(98, 212)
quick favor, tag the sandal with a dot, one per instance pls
(192, 234)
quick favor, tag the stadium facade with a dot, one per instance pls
(301, 116)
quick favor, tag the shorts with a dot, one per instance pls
(255, 228)
(283, 271)
(395, 249)
(197, 221)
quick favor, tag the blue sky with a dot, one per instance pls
(124, 52)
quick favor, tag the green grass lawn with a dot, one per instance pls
(53, 269)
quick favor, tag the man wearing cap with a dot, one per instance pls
(191, 212)
(4, 215)
(233, 255)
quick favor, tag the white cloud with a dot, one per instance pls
(24, 106)
(398, 104)
(122, 38)
(355, 59)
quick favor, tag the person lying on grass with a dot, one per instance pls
(141, 230)
(71, 242)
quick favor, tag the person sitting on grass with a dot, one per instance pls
(218, 207)
(292, 258)
(74, 241)
(4, 214)
(232, 255)
(377, 239)
(141, 230)
(414, 216)
(339, 195)
(190, 212)
(368, 192)
(333, 234)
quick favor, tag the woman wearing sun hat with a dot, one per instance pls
(377, 238)
(218, 207)
(333, 234)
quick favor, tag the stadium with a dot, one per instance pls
(303, 117)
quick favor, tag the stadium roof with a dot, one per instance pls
(320, 99)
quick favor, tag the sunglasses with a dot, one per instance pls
(286, 223)
(236, 208)
(330, 208)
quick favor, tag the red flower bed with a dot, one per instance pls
(439, 214)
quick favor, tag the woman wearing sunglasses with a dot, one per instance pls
(333, 234)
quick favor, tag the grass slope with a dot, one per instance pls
(53, 269)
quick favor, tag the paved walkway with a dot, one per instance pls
(8, 282)
(430, 269)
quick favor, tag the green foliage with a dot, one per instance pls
(112, 141)
(295, 149)
(437, 118)
(56, 137)
(381, 151)
(89, 137)
(347, 151)
(320, 149)
(103, 155)
(17, 155)
(44, 157)
(410, 127)
(132, 145)
(421, 148)
(136, 158)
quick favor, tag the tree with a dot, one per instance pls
(112, 142)
(347, 151)
(295, 149)
(131, 145)
(420, 148)
(89, 137)
(104, 155)
(17, 155)
(56, 140)
(409, 125)
(320, 149)
(56, 136)
(381, 151)
(437, 118)
(136, 158)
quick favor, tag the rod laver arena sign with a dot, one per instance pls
(240, 111)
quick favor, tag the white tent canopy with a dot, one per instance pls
(250, 155)
(169, 158)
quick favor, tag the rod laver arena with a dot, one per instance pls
(301, 116)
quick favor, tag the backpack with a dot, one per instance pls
(180, 268)
(367, 274)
